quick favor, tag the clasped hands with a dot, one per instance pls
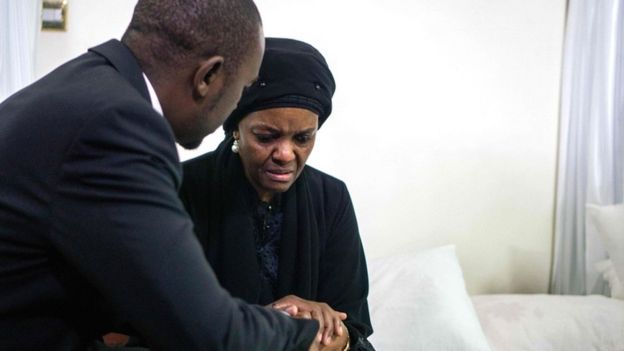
(332, 335)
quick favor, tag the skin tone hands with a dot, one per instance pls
(332, 335)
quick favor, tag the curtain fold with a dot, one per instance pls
(19, 27)
(591, 154)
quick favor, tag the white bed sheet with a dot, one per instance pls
(551, 322)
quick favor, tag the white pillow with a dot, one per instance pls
(419, 302)
(609, 223)
(608, 273)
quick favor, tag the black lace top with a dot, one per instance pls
(268, 230)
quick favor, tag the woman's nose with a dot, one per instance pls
(284, 153)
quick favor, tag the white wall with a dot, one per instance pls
(445, 120)
(89, 22)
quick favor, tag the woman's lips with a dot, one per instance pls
(279, 175)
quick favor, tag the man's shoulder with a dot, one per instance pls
(83, 86)
(78, 98)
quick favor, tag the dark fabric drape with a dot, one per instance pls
(321, 256)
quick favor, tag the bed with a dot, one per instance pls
(550, 322)
(419, 302)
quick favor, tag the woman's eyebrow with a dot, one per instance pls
(309, 130)
(264, 127)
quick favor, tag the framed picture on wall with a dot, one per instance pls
(54, 15)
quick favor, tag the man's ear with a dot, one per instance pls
(206, 74)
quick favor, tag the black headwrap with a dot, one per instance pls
(292, 74)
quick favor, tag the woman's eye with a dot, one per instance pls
(302, 138)
(264, 138)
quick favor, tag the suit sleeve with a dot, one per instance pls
(344, 277)
(117, 218)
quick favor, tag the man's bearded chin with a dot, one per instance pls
(192, 145)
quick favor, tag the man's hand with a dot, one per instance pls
(330, 321)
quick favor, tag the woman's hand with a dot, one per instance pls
(337, 343)
(330, 321)
(115, 340)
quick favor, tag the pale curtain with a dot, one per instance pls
(19, 27)
(591, 154)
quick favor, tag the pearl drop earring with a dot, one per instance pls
(235, 146)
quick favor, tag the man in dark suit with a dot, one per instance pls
(91, 227)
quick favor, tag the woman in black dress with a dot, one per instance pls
(276, 231)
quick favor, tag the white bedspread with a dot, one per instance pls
(551, 323)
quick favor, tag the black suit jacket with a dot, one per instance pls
(90, 223)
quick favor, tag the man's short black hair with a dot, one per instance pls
(176, 31)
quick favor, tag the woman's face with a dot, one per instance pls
(274, 145)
